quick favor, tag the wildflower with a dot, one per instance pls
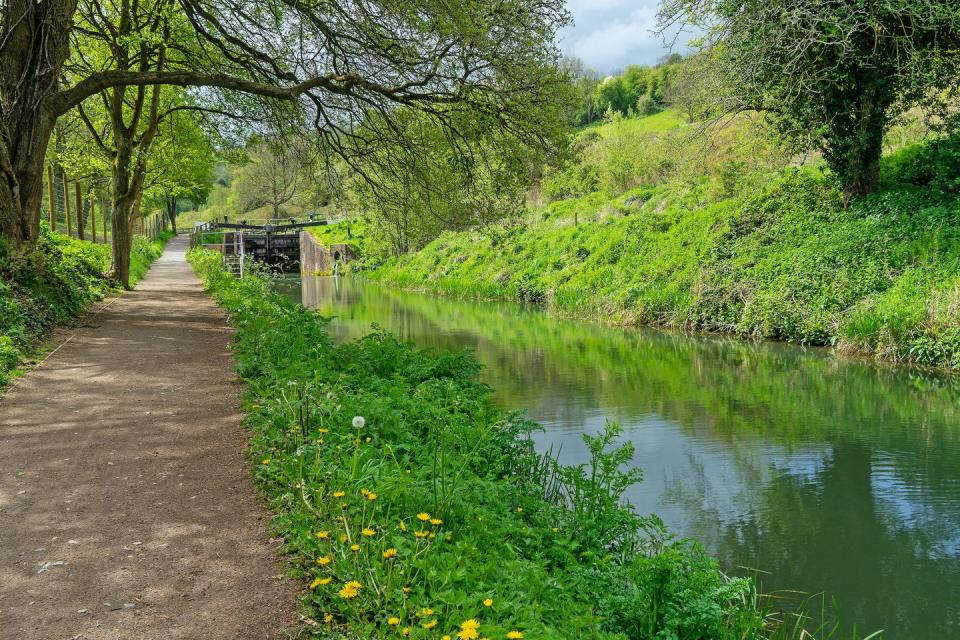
(488, 602)
(323, 560)
(319, 440)
(354, 547)
(323, 535)
(371, 496)
(350, 589)
(266, 461)
(405, 631)
(322, 430)
(426, 611)
(394, 621)
(338, 494)
(319, 582)
(514, 635)
(430, 625)
(403, 526)
(369, 532)
(468, 630)
(364, 492)
(406, 589)
(445, 637)
(432, 535)
(369, 439)
(436, 522)
(420, 534)
(390, 553)
(358, 422)
(519, 509)
(328, 618)
(556, 529)
(423, 517)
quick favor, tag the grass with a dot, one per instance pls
(411, 505)
(780, 259)
(56, 281)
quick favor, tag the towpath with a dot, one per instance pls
(126, 506)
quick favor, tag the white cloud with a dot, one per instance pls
(610, 34)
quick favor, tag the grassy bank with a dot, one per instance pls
(412, 506)
(58, 280)
(782, 260)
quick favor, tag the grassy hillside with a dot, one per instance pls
(56, 281)
(726, 240)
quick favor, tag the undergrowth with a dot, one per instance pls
(413, 506)
(782, 260)
(54, 281)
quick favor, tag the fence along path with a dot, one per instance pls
(126, 506)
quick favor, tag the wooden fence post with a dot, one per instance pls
(51, 193)
(80, 220)
(66, 204)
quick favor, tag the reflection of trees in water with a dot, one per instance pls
(795, 442)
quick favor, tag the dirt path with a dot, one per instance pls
(126, 507)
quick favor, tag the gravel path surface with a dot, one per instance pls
(126, 506)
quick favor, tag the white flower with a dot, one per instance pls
(358, 422)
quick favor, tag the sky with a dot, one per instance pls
(610, 34)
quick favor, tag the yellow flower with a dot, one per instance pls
(556, 529)
(371, 496)
(468, 630)
(445, 637)
(350, 589)
(369, 532)
(519, 509)
(426, 611)
(436, 522)
(323, 535)
(338, 494)
(432, 535)
(323, 560)
(403, 526)
(319, 582)
(405, 631)
(328, 618)
(390, 553)
(364, 492)
(266, 461)
(324, 430)
(394, 621)
(420, 534)
(514, 635)
(488, 602)
(430, 625)
(406, 589)
(369, 439)
(423, 517)
(354, 547)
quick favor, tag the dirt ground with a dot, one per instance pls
(126, 506)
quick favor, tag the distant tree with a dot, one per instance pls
(613, 95)
(273, 176)
(584, 81)
(832, 74)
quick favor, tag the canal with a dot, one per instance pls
(830, 476)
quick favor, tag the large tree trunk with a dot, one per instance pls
(34, 43)
(124, 206)
(172, 213)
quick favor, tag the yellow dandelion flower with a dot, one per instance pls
(514, 635)
(266, 461)
(420, 534)
(488, 602)
(468, 630)
(354, 547)
(405, 631)
(369, 532)
(323, 535)
(315, 583)
(406, 589)
(436, 522)
(338, 494)
(371, 496)
(432, 535)
(328, 618)
(323, 560)
(556, 529)
(342, 537)
(472, 623)
(394, 621)
(350, 589)
(369, 439)
(403, 526)
(325, 581)
(426, 611)
(423, 517)
(519, 509)
(390, 553)
(323, 430)
(364, 492)
(445, 637)
(430, 625)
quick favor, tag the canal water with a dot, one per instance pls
(825, 475)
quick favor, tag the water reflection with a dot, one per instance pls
(831, 476)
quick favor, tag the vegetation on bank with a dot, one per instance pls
(413, 506)
(56, 280)
(781, 259)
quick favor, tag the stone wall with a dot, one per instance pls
(316, 258)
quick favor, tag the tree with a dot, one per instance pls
(273, 176)
(335, 62)
(832, 75)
